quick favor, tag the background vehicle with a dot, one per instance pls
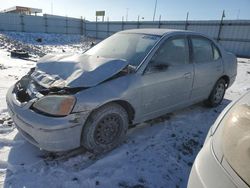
(135, 75)
(224, 160)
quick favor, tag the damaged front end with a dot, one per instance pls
(27, 89)
(44, 104)
(43, 115)
(50, 86)
(54, 101)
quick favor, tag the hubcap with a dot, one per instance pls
(108, 129)
(219, 92)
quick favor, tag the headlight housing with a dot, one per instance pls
(56, 105)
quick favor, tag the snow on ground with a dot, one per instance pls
(158, 153)
(39, 44)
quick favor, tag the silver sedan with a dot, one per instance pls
(68, 101)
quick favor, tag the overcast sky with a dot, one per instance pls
(115, 9)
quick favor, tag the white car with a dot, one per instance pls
(224, 160)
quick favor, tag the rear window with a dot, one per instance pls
(236, 139)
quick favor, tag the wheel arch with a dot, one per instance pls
(128, 107)
(123, 103)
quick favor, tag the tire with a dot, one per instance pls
(217, 94)
(105, 129)
(19, 54)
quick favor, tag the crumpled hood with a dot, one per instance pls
(75, 70)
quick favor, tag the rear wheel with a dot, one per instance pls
(105, 129)
(217, 94)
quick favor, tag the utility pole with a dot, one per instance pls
(138, 21)
(159, 24)
(126, 14)
(186, 25)
(187, 16)
(155, 10)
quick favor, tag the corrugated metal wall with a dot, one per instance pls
(234, 34)
(47, 24)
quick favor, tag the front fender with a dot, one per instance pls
(123, 88)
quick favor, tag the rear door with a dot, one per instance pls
(208, 66)
(168, 78)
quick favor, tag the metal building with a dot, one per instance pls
(22, 10)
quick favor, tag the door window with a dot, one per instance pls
(172, 52)
(203, 51)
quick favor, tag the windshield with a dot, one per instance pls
(236, 138)
(128, 46)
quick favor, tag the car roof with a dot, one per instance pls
(155, 31)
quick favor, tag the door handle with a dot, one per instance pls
(187, 75)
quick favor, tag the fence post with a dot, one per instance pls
(22, 22)
(159, 24)
(221, 25)
(108, 26)
(138, 22)
(66, 24)
(46, 23)
(122, 23)
(85, 28)
(81, 26)
(186, 24)
(96, 27)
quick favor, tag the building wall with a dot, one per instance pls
(234, 34)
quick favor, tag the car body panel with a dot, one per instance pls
(207, 172)
(164, 90)
(206, 74)
(212, 172)
(230, 66)
(51, 134)
(124, 88)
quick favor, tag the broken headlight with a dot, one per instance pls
(56, 105)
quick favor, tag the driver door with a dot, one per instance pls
(168, 78)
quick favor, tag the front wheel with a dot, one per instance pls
(217, 94)
(105, 129)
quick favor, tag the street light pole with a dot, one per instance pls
(155, 10)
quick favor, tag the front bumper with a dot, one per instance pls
(48, 133)
(207, 171)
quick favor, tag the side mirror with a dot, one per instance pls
(161, 66)
(156, 67)
(131, 69)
